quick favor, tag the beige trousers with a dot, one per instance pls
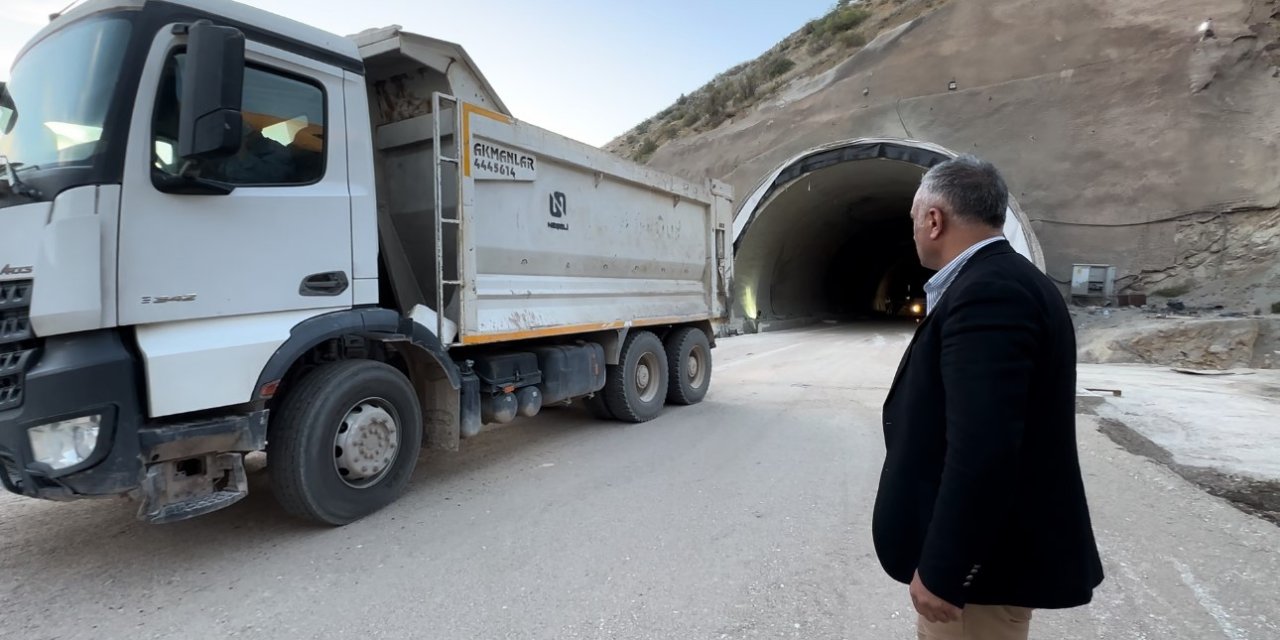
(981, 622)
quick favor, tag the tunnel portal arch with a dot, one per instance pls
(827, 235)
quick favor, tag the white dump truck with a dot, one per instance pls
(222, 231)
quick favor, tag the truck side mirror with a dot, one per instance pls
(209, 124)
(6, 110)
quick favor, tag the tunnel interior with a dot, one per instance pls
(834, 243)
(828, 237)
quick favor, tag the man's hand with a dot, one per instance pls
(931, 607)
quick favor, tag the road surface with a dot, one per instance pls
(747, 516)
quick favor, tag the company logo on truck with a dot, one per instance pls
(493, 162)
(10, 270)
(559, 209)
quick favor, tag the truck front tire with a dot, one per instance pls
(344, 442)
(636, 388)
(689, 356)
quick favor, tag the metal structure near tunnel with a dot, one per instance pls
(827, 234)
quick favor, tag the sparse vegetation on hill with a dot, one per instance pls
(815, 47)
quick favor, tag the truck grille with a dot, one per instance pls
(17, 346)
(14, 328)
(15, 293)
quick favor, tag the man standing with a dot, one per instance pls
(981, 506)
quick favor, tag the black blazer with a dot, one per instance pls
(981, 488)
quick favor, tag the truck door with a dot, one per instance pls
(280, 240)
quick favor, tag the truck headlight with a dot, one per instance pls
(65, 443)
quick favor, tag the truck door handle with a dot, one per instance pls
(329, 283)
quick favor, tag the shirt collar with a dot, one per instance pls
(937, 285)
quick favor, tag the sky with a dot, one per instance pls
(588, 69)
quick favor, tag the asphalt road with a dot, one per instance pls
(747, 516)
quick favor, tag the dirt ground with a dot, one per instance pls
(1258, 497)
(1219, 431)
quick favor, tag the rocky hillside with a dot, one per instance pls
(819, 45)
(1126, 139)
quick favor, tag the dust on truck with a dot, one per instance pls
(225, 232)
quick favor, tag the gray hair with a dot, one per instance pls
(972, 187)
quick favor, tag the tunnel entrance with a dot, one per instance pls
(827, 236)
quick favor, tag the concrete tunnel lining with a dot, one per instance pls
(827, 234)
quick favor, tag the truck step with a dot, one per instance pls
(195, 507)
(175, 490)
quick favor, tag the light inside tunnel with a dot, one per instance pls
(828, 236)
(747, 300)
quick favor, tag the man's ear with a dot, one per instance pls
(935, 221)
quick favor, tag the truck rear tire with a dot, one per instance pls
(344, 442)
(636, 388)
(689, 356)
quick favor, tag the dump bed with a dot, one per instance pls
(549, 236)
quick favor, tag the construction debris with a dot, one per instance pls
(1114, 392)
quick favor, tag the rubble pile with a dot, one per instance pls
(1179, 336)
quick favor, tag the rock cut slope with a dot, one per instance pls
(1126, 139)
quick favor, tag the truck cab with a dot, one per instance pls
(214, 221)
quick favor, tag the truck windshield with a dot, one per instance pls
(53, 110)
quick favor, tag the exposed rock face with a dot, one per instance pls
(1231, 259)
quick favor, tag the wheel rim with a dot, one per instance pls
(366, 443)
(696, 367)
(647, 377)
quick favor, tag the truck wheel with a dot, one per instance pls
(636, 389)
(689, 354)
(345, 441)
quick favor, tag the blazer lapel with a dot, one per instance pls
(902, 364)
